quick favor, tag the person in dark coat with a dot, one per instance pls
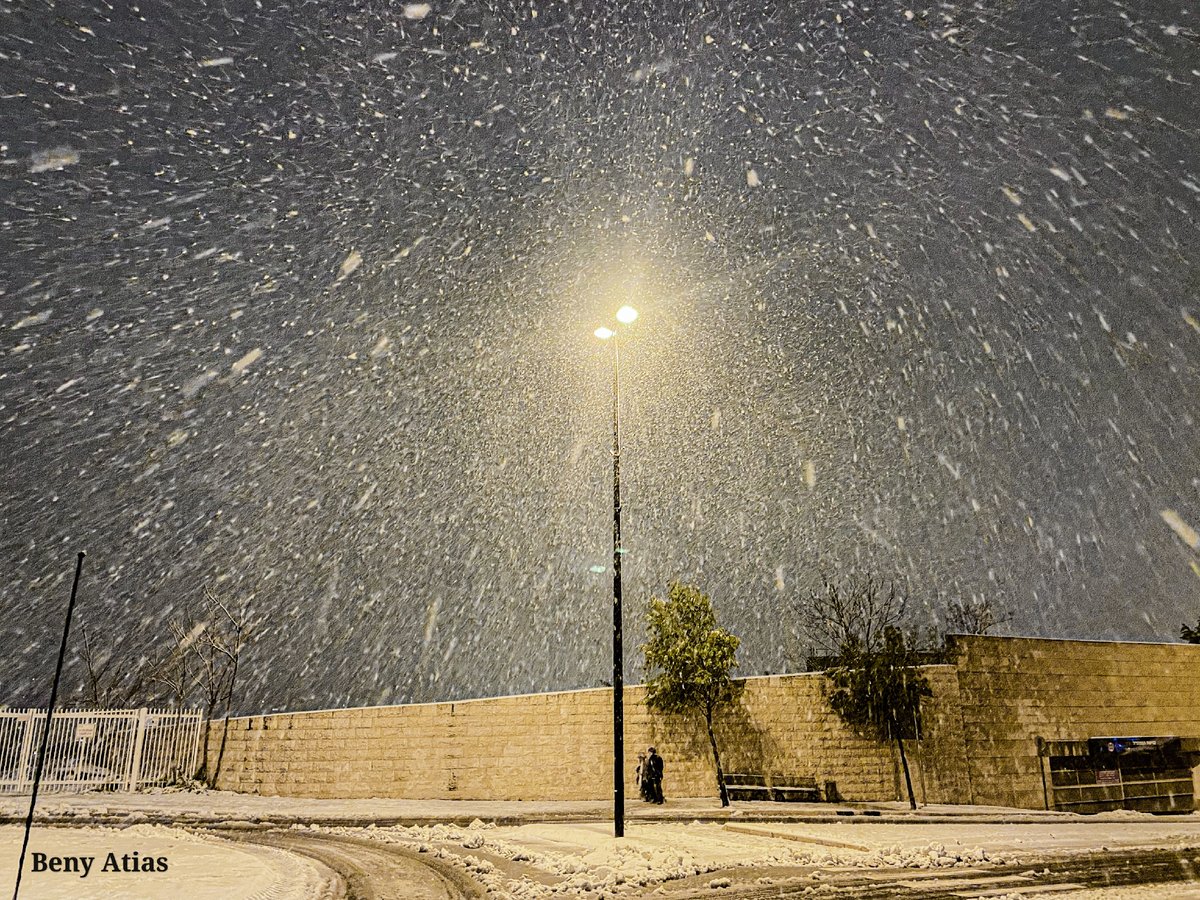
(642, 776)
(655, 765)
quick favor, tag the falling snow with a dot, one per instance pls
(302, 296)
(53, 160)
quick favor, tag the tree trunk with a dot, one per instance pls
(202, 775)
(225, 728)
(712, 740)
(912, 800)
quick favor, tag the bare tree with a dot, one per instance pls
(199, 664)
(208, 654)
(856, 609)
(871, 659)
(175, 671)
(202, 662)
(106, 683)
(228, 641)
(974, 616)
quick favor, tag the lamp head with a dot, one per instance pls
(626, 315)
(603, 333)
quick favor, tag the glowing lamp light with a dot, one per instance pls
(604, 333)
(626, 315)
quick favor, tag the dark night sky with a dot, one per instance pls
(296, 303)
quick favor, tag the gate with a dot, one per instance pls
(98, 750)
(1147, 774)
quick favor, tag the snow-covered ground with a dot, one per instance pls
(534, 850)
(1016, 841)
(558, 859)
(578, 859)
(1136, 892)
(199, 867)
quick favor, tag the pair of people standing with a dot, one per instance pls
(649, 776)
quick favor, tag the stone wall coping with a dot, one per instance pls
(1065, 642)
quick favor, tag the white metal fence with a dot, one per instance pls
(96, 750)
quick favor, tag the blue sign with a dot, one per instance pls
(1127, 744)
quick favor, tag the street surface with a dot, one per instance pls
(440, 850)
(373, 872)
(369, 871)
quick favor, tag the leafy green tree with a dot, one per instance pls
(1189, 634)
(877, 691)
(693, 658)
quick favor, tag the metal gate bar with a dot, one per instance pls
(106, 749)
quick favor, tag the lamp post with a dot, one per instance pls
(626, 316)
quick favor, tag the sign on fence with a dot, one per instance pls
(104, 749)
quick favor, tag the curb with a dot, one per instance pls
(799, 838)
(848, 817)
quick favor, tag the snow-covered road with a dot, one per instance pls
(530, 851)
(559, 859)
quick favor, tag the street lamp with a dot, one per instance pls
(626, 316)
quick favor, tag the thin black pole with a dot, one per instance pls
(41, 760)
(618, 653)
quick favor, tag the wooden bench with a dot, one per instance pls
(779, 788)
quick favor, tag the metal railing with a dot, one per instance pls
(99, 750)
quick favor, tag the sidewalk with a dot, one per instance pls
(208, 807)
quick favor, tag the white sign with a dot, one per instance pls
(85, 731)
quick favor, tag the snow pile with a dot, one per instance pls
(618, 864)
(932, 856)
(625, 861)
(192, 786)
(623, 865)
(473, 841)
(578, 860)
(421, 837)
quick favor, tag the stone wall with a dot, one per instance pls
(979, 743)
(559, 746)
(1014, 690)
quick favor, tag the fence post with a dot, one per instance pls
(26, 752)
(139, 742)
(194, 757)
